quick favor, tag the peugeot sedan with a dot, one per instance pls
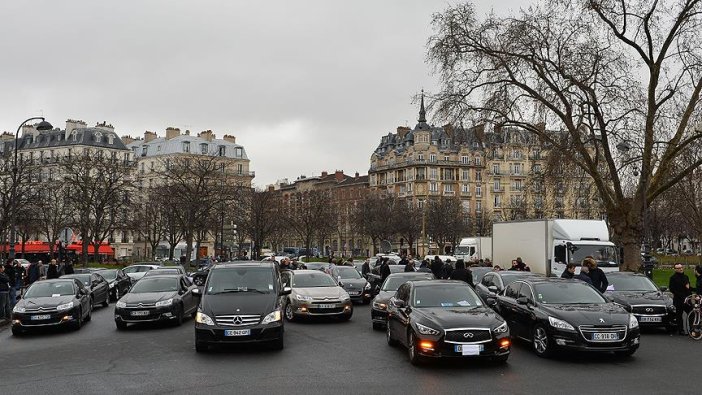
(315, 293)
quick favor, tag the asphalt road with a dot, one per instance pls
(320, 357)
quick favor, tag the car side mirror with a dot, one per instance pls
(197, 292)
(286, 291)
(181, 291)
(399, 303)
(523, 300)
(664, 289)
(492, 302)
(493, 289)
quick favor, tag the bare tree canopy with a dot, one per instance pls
(613, 83)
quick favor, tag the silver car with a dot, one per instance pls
(315, 293)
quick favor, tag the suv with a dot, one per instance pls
(241, 303)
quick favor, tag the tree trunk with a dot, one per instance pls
(626, 232)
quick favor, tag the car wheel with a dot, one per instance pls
(627, 353)
(377, 326)
(541, 341)
(289, 314)
(412, 352)
(200, 346)
(388, 336)
(121, 325)
(199, 281)
(106, 302)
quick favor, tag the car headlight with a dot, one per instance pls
(64, 306)
(112, 285)
(367, 287)
(18, 309)
(166, 302)
(560, 324)
(380, 306)
(272, 317)
(202, 318)
(120, 305)
(304, 298)
(633, 322)
(345, 297)
(425, 330)
(503, 328)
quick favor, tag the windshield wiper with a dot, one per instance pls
(234, 290)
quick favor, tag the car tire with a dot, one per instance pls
(377, 326)
(388, 337)
(289, 314)
(201, 346)
(412, 352)
(121, 325)
(627, 353)
(541, 341)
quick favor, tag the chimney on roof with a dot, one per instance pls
(339, 175)
(356, 176)
(402, 131)
(207, 135)
(148, 136)
(324, 174)
(230, 138)
(172, 133)
(187, 132)
(72, 124)
(105, 126)
(127, 139)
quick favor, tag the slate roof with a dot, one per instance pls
(93, 137)
(175, 145)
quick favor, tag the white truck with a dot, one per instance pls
(547, 245)
(474, 249)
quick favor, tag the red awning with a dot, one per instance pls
(104, 249)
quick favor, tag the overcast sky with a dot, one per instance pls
(305, 86)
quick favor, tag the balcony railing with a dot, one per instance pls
(466, 194)
(496, 189)
(449, 193)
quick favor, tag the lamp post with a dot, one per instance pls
(41, 126)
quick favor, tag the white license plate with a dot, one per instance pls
(237, 332)
(326, 306)
(650, 319)
(41, 317)
(469, 349)
(140, 313)
(605, 336)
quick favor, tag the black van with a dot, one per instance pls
(242, 303)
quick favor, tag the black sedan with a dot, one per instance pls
(118, 282)
(353, 283)
(495, 282)
(97, 286)
(379, 308)
(555, 313)
(157, 298)
(444, 318)
(55, 302)
(640, 296)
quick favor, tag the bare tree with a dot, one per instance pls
(603, 73)
(261, 217)
(53, 210)
(372, 218)
(306, 212)
(150, 219)
(445, 221)
(407, 222)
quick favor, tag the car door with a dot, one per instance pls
(123, 282)
(524, 314)
(403, 317)
(394, 319)
(84, 299)
(482, 288)
(100, 287)
(507, 306)
(186, 295)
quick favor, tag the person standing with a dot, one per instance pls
(69, 267)
(599, 279)
(42, 270)
(20, 277)
(679, 285)
(384, 270)
(584, 274)
(52, 271)
(33, 273)
(569, 272)
(409, 267)
(436, 267)
(365, 269)
(461, 273)
(12, 276)
(698, 277)
(5, 309)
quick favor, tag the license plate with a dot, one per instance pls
(237, 332)
(41, 317)
(326, 306)
(140, 313)
(650, 319)
(605, 336)
(469, 349)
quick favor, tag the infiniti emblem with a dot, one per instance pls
(602, 320)
(237, 320)
(468, 335)
(649, 309)
(141, 305)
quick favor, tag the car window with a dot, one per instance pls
(446, 297)
(512, 290)
(525, 292)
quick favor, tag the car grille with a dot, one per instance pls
(140, 305)
(237, 320)
(588, 331)
(470, 335)
(335, 310)
(325, 300)
(648, 310)
(40, 310)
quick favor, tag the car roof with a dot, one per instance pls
(224, 265)
(433, 283)
(540, 279)
(307, 271)
(55, 280)
(625, 274)
(517, 273)
(163, 276)
(410, 274)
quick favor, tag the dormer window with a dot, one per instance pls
(186, 146)
(111, 139)
(144, 150)
(98, 137)
(74, 136)
(203, 148)
(222, 150)
(239, 152)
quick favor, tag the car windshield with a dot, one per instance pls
(108, 275)
(567, 293)
(630, 283)
(510, 277)
(445, 296)
(312, 280)
(606, 256)
(131, 269)
(393, 283)
(347, 273)
(154, 284)
(84, 278)
(240, 279)
(156, 272)
(47, 289)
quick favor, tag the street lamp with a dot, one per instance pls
(41, 126)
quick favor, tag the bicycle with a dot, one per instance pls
(694, 317)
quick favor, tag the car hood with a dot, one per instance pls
(46, 302)
(460, 317)
(321, 292)
(384, 296)
(148, 297)
(238, 303)
(588, 314)
(639, 297)
(355, 284)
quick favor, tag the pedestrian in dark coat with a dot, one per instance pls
(409, 267)
(365, 269)
(33, 272)
(447, 270)
(384, 269)
(583, 275)
(698, 276)
(599, 279)
(69, 268)
(5, 310)
(436, 267)
(52, 271)
(461, 273)
(569, 272)
(679, 285)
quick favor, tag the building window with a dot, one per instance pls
(478, 176)
(239, 152)
(464, 160)
(433, 187)
(478, 206)
(497, 185)
(98, 137)
(203, 148)
(495, 169)
(432, 173)
(144, 150)
(465, 188)
(448, 187)
(420, 204)
(186, 146)
(222, 150)
(240, 169)
(110, 139)
(466, 206)
(409, 187)
(432, 158)
(420, 157)
(478, 191)
(498, 201)
(158, 148)
(465, 176)
(74, 136)
(478, 161)
(446, 158)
